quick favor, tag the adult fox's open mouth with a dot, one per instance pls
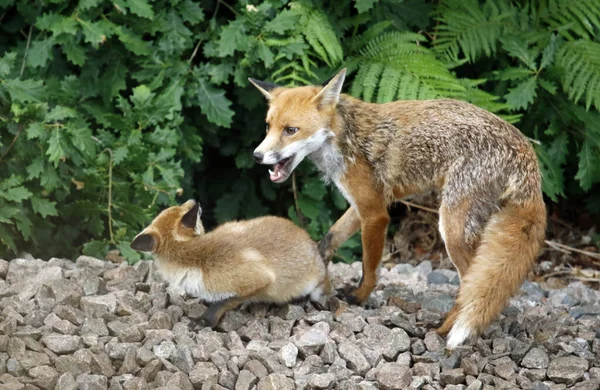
(282, 170)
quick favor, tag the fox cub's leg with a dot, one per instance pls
(374, 223)
(246, 283)
(453, 223)
(217, 310)
(340, 232)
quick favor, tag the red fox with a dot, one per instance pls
(266, 259)
(492, 214)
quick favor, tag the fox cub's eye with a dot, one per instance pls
(291, 130)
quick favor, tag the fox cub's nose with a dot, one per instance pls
(258, 157)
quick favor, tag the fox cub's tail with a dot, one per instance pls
(509, 246)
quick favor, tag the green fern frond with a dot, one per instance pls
(394, 66)
(581, 62)
(466, 26)
(319, 33)
(569, 18)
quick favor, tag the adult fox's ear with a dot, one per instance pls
(264, 87)
(192, 217)
(330, 94)
(143, 242)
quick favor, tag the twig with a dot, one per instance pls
(535, 141)
(551, 245)
(551, 274)
(294, 189)
(109, 208)
(556, 245)
(229, 7)
(596, 280)
(195, 51)
(26, 51)
(216, 9)
(417, 206)
(12, 143)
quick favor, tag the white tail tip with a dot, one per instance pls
(458, 334)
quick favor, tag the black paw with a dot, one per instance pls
(351, 299)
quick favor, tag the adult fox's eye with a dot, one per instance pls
(291, 130)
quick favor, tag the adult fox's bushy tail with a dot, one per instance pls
(509, 246)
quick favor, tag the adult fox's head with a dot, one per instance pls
(298, 123)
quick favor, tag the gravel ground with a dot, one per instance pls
(92, 324)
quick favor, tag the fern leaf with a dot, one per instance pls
(581, 62)
(465, 26)
(393, 66)
(320, 34)
(574, 18)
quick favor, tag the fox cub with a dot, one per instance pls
(266, 259)
(492, 215)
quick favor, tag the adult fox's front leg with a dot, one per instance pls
(374, 218)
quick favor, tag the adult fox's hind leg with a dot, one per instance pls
(453, 228)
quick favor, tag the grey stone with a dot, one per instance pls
(321, 381)
(46, 376)
(66, 382)
(100, 364)
(160, 320)
(313, 340)
(452, 377)
(568, 369)
(475, 385)
(92, 382)
(150, 370)
(276, 382)
(394, 376)
(288, 354)
(245, 380)
(182, 358)
(125, 332)
(257, 368)
(506, 371)
(180, 380)
(469, 366)
(129, 365)
(99, 305)
(433, 341)
(354, 357)
(535, 358)
(62, 344)
(232, 321)
(436, 277)
(204, 372)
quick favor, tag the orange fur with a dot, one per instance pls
(484, 168)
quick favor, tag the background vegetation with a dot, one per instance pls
(111, 110)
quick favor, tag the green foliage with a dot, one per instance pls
(111, 111)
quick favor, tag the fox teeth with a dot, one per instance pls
(271, 172)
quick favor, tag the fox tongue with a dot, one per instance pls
(275, 174)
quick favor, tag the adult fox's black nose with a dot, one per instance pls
(258, 157)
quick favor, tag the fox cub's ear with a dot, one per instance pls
(264, 87)
(143, 243)
(330, 94)
(192, 217)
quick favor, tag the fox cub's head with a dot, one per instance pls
(298, 123)
(172, 225)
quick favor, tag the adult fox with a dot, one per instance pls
(492, 214)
